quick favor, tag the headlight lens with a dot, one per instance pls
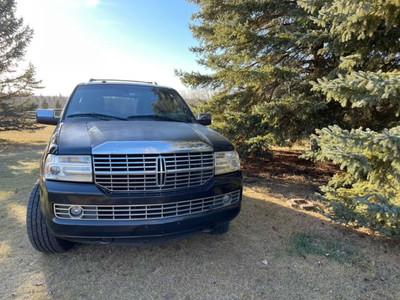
(226, 162)
(68, 167)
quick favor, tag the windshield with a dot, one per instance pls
(127, 102)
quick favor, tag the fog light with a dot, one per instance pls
(55, 170)
(226, 199)
(75, 211)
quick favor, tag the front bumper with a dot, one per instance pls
(135, 231)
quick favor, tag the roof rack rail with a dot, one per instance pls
(124, 80)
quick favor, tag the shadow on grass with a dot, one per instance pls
(7, 145)
(285, 188)
(19, 164)
(253, 260)
(286, 164)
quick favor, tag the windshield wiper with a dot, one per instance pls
(95, 115)
(158, 117)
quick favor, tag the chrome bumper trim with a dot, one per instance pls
(147, 211)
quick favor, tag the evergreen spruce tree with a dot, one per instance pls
(262, 56)
(44, 104)
(261, 63)
(366, 36)
(280, 69)
(58, 105)
(14, 84)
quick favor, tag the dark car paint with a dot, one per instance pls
(80, 135)
(135, 232)
(94, 231)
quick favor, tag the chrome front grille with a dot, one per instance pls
(152, 172)
(148, 211)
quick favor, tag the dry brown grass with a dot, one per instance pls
(293, 245)
(26, 137)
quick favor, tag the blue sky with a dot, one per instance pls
(78, 39)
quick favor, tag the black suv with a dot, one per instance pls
(129, 163)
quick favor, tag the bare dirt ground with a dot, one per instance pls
(272, 251)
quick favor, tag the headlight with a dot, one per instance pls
(68, 167)
(226, 162)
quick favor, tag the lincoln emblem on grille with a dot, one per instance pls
(161, 171)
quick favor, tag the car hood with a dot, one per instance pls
(82, 137)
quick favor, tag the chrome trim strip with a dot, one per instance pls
(146, 211)
(161, 175)
(163, 171)
(147, 147)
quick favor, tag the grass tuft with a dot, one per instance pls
(311, 244)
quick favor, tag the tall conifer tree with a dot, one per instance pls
(262, 57)
(366, 36)
(14, 83)
(282, 68)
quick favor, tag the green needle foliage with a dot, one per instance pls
(264, 57)
(367, 192)
(14, 83)
(281, 68)
(366, 34)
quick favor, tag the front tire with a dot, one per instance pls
(39, 236)
(220, 229)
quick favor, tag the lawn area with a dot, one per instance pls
(272, 251)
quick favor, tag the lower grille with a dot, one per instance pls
(147, 211)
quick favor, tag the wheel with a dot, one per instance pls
(39, 236)
(220, 229)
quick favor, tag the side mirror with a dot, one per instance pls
(46, 116)
(204, 118)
